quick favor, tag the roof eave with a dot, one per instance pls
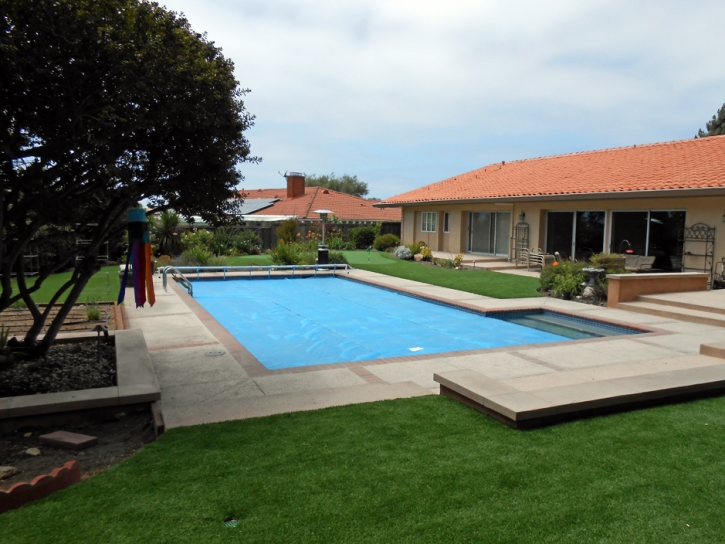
(613, 195)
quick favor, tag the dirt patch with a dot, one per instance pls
(66, 367)
(119, 437)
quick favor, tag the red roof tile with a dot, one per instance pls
(687, 164)
(346, 207)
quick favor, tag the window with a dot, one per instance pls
(446, 219)
(653, 233)
(580, 234)
(429, 221)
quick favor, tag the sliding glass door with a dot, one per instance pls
(488, 232)
(577, 234)
(650, 233)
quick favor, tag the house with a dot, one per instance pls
(665, 200)
(264, 209)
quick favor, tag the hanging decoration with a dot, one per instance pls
(139, 256)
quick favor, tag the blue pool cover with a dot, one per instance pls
(315, 321)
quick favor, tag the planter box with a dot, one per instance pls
(627, 287)
(134, 375)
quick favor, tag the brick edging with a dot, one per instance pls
(23, 493)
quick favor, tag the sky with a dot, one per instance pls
(405, 93)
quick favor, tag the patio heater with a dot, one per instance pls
(323, 255)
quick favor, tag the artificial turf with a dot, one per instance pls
(414, 470)
(103, 286)
(480, 282)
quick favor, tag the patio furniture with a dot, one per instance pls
(539, 258)
(638, 263)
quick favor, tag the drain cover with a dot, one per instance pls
(231, 522)
(214, 353)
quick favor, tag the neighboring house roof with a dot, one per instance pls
(698, 163)
(345, 207)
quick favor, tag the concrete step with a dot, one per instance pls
(244, 408)
(653, 299)
(681, 314)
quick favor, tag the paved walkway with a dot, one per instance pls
(206, 376)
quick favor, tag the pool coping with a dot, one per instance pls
(254, 368)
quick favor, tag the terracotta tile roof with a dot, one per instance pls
(686, 164)
(346, 207)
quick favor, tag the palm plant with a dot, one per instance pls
(166, 231)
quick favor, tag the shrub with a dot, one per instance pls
(427, 254)
(287, 232)
(162, 261)
(200, 239)
(549, 273)
(386, 242)
(217, 261)
(197, 255)
(568, 282)
(363, 237)
(19, 304)
(445, 263)
(414, 248)
(336, 257)
(247, 242)
(403, 253)
(93, 313)
(458, 261)
(286, 254)
(613, 263)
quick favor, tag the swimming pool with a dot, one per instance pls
(315, 321)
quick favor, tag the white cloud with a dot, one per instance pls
(407, 92)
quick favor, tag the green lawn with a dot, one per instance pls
(490, 284)
(103, 286)
(423, 470)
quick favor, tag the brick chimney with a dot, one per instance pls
(295, 184)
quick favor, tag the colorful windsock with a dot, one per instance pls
(139, 255)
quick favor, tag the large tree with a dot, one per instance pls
(344, 184)
(715, 126)
(103, 104)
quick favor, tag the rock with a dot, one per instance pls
(32, 452)
(28, 435)
(418, 257)
(6, 472)
(120, 415)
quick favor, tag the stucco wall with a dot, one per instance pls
(708, 210)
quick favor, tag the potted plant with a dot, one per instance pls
(566, 285)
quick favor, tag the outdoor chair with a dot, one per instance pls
(638, 263)
(538, 258)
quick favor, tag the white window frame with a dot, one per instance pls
(429, 221)
(446, 221)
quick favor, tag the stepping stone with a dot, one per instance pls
(69, 441)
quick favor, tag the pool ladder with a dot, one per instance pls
(179, 277)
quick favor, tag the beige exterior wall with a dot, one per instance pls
(708, 210)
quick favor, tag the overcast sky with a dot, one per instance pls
(408, 92)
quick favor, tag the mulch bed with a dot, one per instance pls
(119, 437)
(66, 367)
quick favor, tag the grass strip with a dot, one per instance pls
(480, 282)
(415, 470)
(102, 287)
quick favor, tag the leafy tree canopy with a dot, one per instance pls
(103, 104)
(715, 126)
(344, 184)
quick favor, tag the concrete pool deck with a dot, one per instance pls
(207, 376)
